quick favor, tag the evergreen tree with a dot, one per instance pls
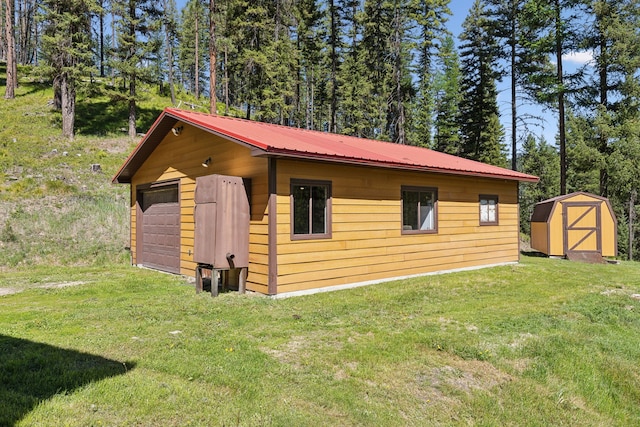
(170, 23)
(309, 43)
(278, 89)
(512, 34)
(356, 103)
(481, 130)
(540, 159)
(615, 40)
(447, 99)
(133, 23)
(551, 30)
(193, 45)
(430, 17)
(213, 54)
(67, 48)
(401, 88)
(378, 15)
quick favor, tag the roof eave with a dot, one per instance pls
(387, 165)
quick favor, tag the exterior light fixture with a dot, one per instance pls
(177, 130)
(206, 163)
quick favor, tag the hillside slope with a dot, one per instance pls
(57, 203)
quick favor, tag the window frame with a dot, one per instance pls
(419, 189)
(328, 211)
(488, 197)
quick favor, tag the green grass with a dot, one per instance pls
(546, 342)
(87, 341)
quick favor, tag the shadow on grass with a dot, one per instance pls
(533, 254)
(32, 372)
(102, 118)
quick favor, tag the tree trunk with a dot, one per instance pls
(12, 76)
(226, 83)
(334, 67)
(132, 108)
(561, 119)
(513, 37)
(68, 92)
(197, 72)
(169, 59)
(632, 217)
(603, 63)
(101, 38)
(400, 119)
(57, 93)
(213, 53)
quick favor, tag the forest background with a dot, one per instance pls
(385, 69)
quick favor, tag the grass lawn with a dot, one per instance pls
(545, 342)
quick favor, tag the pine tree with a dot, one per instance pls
(481, 130)
(213, 57)
(401, 88)
(193, 45)
(170, 23)
(67, 48)
(550, 26)
(540, 159)
(133, 23)
(378, 15)
(309, 43)
(430, 17)
(512, 33)
(447, 99)
(355, 87)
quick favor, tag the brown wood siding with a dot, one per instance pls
(367, 243)
(180, 157)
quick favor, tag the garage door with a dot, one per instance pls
(159, 228)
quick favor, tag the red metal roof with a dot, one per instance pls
(282, 141)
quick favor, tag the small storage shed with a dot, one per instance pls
(322, 210)
(574, 224)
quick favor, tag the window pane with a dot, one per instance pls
(488, 210)
(492, 211)
(484, 210)
(301, 197)
(319, 209)
(409, 210)
(427, 217)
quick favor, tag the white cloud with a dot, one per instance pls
(578, 58)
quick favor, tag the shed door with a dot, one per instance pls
(159, 228)
(582, 231)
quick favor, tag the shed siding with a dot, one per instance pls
(367, 243)
(556, 231)
(180, 157)
(540, 237)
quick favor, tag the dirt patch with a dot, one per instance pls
(60, 285)
(467, 376)
(52, 285)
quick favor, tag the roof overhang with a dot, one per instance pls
(170, 117)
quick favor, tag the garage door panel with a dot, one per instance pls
(160, 226)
